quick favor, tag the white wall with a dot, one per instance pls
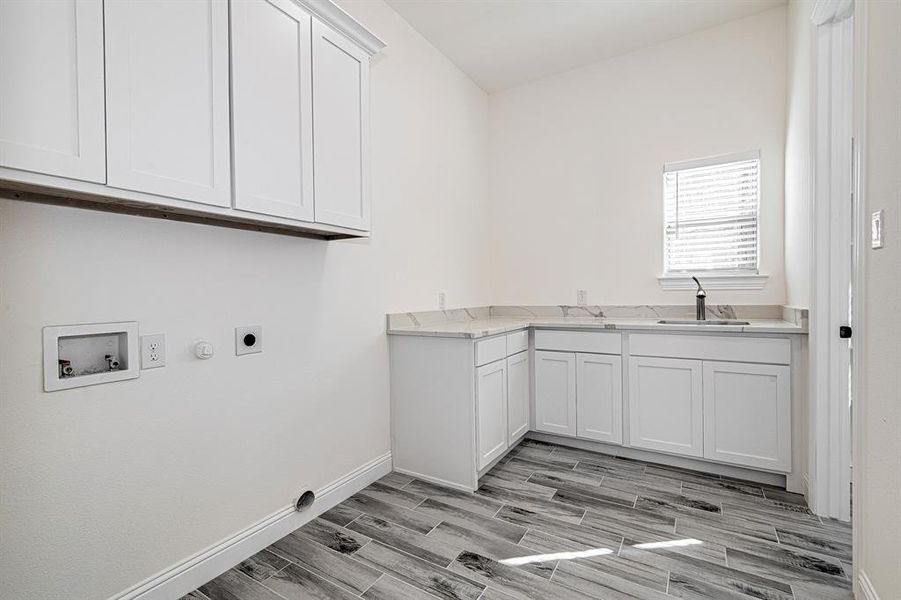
(107, 485)
(798, 165)
(877, 469)
(576, 163)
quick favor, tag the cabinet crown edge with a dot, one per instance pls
(337, 18)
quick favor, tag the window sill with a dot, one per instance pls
(714, 281)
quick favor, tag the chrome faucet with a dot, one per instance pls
(700, 302)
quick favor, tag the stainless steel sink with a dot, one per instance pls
(696, 322)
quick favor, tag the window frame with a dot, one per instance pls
(738, 279)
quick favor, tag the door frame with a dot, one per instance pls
(833, 265)
(861, 237)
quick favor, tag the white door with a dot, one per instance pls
(599, 397)
(747, 414)
(167, 98)
(340, 130)
(555, 392)
(837, 237)
(272, 108)
(51, 88)
(666, 405)
(491, 406)
(517, 396)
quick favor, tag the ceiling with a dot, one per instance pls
(503, 43)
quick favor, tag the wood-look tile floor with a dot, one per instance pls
(555, 522)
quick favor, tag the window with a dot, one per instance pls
(710, 215)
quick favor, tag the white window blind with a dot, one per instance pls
(711, 214)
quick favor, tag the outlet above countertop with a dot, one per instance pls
(487, 321)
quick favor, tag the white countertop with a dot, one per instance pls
(483, 327)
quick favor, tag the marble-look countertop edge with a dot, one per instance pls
(475, 330)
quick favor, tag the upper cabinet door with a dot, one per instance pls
(167, 98)
(341, 130)
(51, 87)
(272, 108)
(599, 397)
(666, 405)
(747, 414)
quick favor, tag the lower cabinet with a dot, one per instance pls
(555, 392)
(666, 405)
(517, 396)
(599, 397)
(491, 400)
(747, 414)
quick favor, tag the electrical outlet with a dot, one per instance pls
(581, 297)
(248, 340)
(442, 301)
(153, 351)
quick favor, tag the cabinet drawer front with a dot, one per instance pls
(517, 342)
(491, 350)
(596, 342)
(708, 347)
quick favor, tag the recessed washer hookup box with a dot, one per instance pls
(79, 355)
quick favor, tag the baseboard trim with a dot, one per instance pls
(747, 474)
(187, 575)
(435, 480)
(866, 586)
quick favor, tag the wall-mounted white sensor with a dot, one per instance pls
(876, 235)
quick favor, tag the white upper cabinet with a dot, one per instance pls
(167, 98)
(491, 397)
(599, 393)
(555, 392)
(747, 414)
(51, 88)
(340, 130)
(517, 396)
(272, 108)
(666, 405)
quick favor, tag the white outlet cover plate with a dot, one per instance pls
(876, 241)
(153, 351)
(241, 332)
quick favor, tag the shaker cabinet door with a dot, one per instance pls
(272, 108)
(555, 392)
(51, 88)
(340, 130)
(747, 414)
(665, 405)
(599, 397)
(517, 396)
(167, 98)
(491, 403)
